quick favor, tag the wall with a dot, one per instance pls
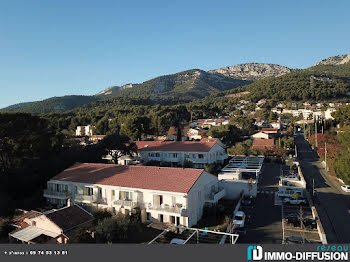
(234, 188)
(44, 223)
(196, 197)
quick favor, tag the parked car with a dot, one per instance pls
(177, 241)
(310, 223)
(296, 240)
(346, 188)
(291, 177)
(239, 219)
(293, 201)
(292, 219)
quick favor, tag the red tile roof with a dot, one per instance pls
(19, 219)
(263, 143)
(169, 179)
(180, 146)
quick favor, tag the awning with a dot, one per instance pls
(28, 233)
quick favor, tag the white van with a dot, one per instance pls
(289, 191)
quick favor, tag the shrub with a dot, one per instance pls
(5, 228)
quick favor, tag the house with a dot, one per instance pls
(260, 135)
(52, 227)
(96, 138)
(195, 133)
(268, 130)
(163, 194)
(241, 174)
(276, 125)
(207, 123)
(85, 130)
(328, 113)
(176, 153)
(263, 144)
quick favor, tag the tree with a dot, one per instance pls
(113, 229)
(135, 126)
(229, 134)
(81, 235)
(24, 137)
(5, 227)
(115, 145)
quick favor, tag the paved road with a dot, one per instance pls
(266, 218)
(334, 204)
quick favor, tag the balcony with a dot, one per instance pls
(125, 203)
(214, 197)
(92, 199)
(197, 160)
(154, 158)
(55, 194)
(169, 209)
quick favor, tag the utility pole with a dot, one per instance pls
(325, 155)
(315, 132)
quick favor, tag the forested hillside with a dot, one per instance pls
(318, 83)
(54, 104)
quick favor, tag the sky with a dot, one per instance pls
(64, 47)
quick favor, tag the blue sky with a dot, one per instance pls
(62, 47)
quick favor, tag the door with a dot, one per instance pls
(161, 218)
(177, 221)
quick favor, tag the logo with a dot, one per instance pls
(255, 253)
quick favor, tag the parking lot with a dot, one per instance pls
(264, 218)
(265, 222)
(297, 229)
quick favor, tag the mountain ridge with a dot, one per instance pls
(184, 86)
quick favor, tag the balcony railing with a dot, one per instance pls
(170, 209)
(92, 199)
(125, 203)
(155, 158)
(51, 193)
(197, 160)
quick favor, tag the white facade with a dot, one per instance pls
(194, 134)
(84, 130)
(156, 206)
(260, 135)
(199, 159)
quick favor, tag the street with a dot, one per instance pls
(266, 217)
(332, 204)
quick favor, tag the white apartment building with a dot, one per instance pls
(84, 130)
(199, 153)
(165, 195)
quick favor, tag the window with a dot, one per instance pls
(76, 190)
(125, 195)
(148, 216)
(200, 156)
(88, 191)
